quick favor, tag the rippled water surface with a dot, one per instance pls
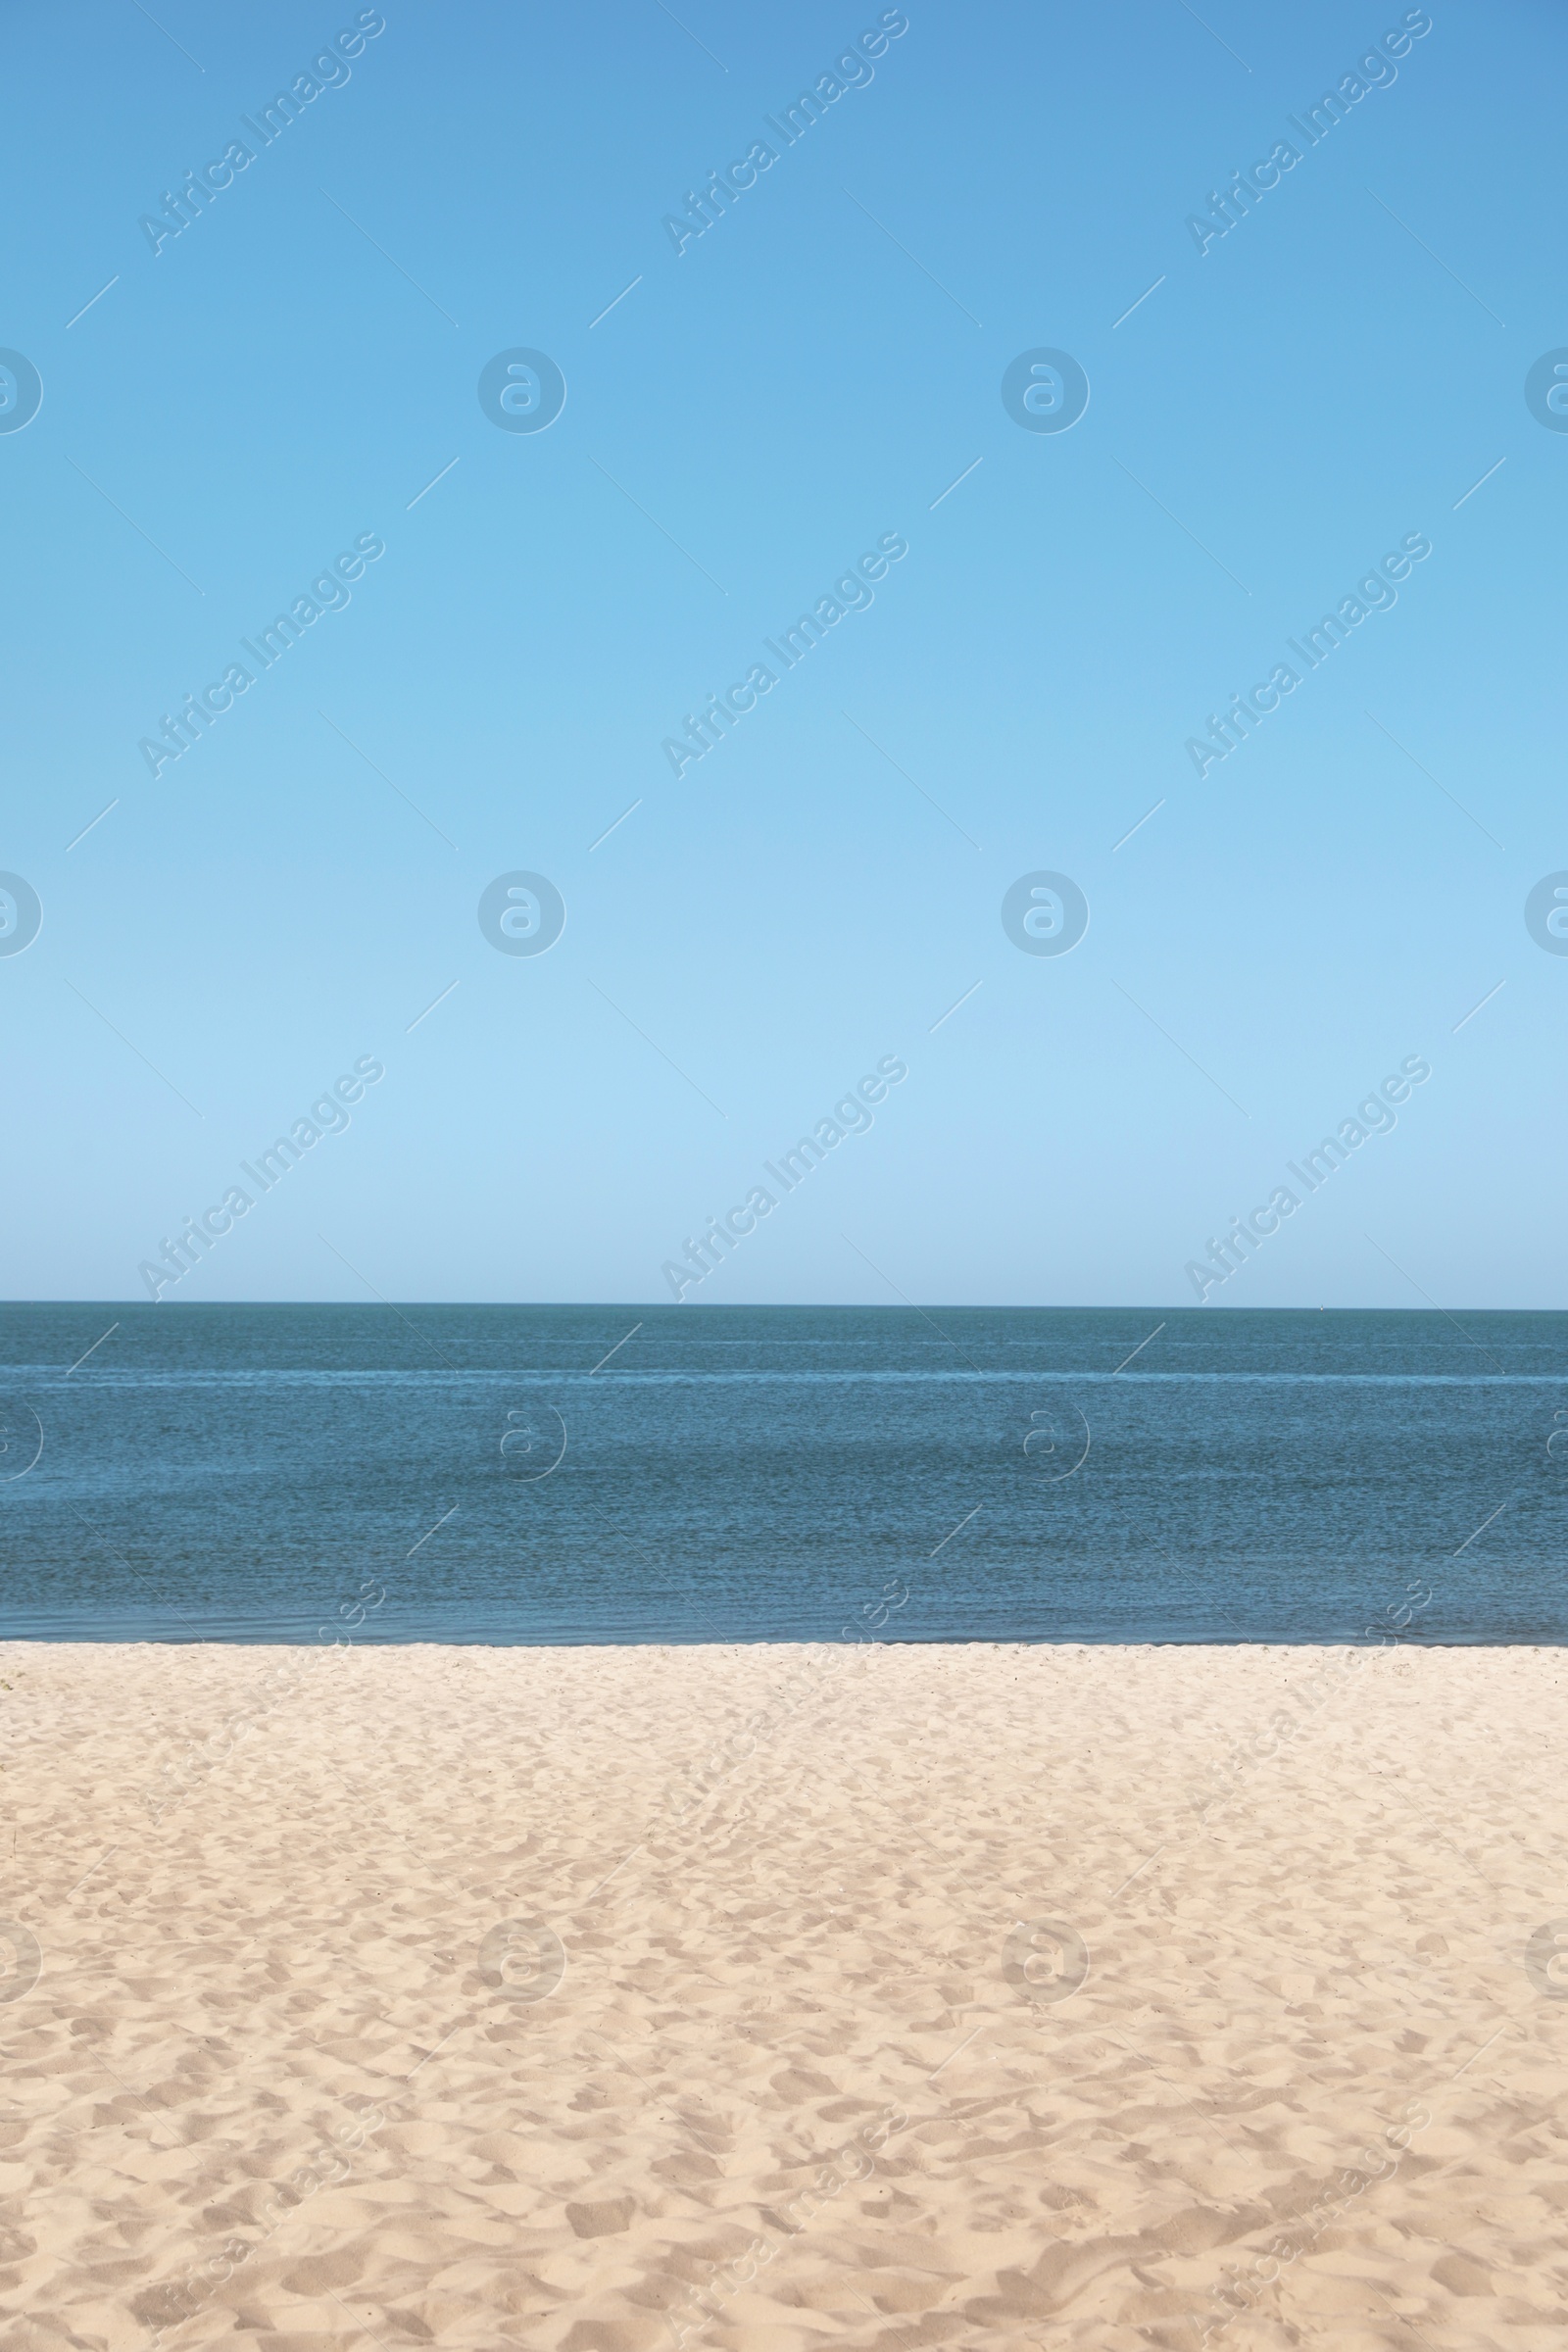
(551, 1474)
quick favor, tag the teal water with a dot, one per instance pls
(467, 1474)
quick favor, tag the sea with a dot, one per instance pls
(663, 1474)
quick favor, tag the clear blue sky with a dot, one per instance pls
(786, 392)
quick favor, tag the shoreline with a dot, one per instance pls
(909, 1642)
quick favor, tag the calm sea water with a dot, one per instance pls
(483, 1474)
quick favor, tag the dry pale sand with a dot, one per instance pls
(802, 2081)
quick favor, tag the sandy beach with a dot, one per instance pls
(778, 1997)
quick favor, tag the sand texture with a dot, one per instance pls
(621, 1998)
